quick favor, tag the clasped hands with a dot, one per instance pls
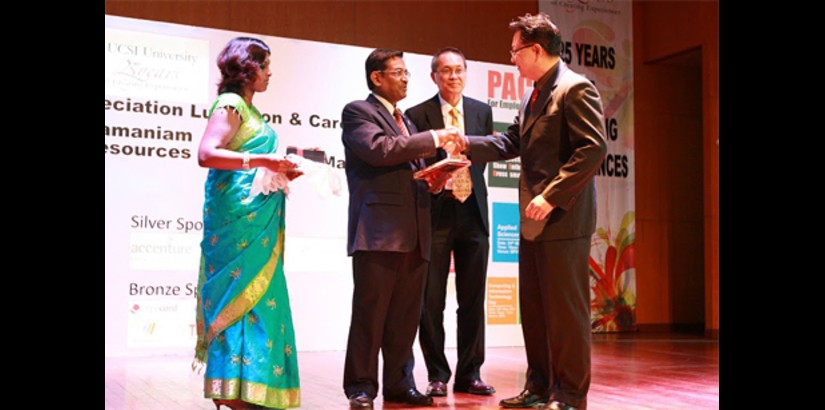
(452, 140)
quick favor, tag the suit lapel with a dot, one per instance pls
(435, 121)
(538, 109)
(415, 164)
(418, 163)
(543, 99)
(473, 126)
(522, 120)
(434, 117)
(472, 120)
(386, 114)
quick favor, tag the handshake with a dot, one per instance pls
(451, 139)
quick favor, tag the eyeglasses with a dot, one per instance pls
(514, 52)
(446, 72)
(397, 72)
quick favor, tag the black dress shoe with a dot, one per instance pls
(475, 387)
(360, 400)
(437, 388)
(556, 405)
(523, 400)
(412, 397)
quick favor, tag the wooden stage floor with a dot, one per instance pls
(630, 371)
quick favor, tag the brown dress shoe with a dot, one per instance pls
(437, 388)
(360, 400)
(523, 400)
(475, 387)
(412, 397)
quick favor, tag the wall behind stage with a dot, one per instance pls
(478, 28)
(160, 81)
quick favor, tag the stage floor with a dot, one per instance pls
(630, 371)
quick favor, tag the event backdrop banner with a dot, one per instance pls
(597, 41)
(161, 78)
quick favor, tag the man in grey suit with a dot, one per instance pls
(559, 134)
(388, 233)
(460, 227)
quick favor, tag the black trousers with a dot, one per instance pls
(457, 229)
(554, 297)
(386, 303)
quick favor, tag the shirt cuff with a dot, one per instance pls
(435, 138)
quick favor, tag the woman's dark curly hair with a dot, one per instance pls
(238, 62)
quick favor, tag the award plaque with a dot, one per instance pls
(446, 165)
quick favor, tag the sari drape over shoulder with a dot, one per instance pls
(244, 321)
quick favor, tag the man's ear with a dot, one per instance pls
(375, 77)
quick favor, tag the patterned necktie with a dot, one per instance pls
(399, 121)
(462, 183)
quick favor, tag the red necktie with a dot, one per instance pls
(400, 122)
(533, 98)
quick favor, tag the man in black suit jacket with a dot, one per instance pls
(560, 138)
(388, 233)
(461, 228)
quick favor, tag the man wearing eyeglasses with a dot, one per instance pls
(559, 135)
(460, 227)
(388, 233)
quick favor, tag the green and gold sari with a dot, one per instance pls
(244, 322)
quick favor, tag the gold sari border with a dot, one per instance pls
(252, 392)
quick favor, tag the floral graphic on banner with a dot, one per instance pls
(612, 279)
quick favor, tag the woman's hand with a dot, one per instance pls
(277, 163)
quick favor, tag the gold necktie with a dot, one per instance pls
(462, 183)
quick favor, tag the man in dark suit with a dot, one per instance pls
(388, 233)
(559, 135)
(460, 227)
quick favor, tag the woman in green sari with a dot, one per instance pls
(244, 322)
